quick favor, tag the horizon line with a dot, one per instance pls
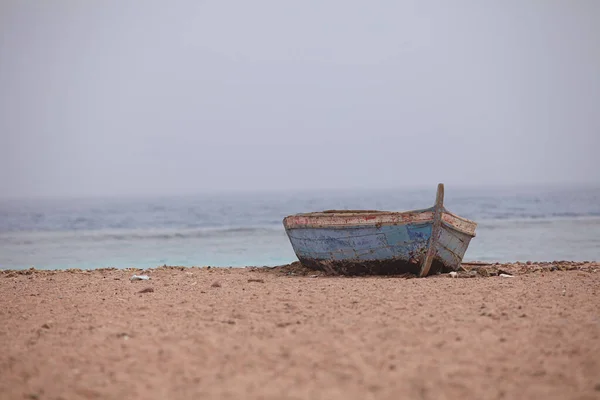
(300, 190)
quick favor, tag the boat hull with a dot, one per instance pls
(380, 243)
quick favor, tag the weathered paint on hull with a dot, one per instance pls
(450, 247)
(381, 242)
(391, 249)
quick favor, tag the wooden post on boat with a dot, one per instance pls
(438, 209)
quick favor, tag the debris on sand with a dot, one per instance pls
(294, 269)
(147, 290)
(139, 278)
(462, 274)
(529, 267)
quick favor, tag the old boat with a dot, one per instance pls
(360, 242)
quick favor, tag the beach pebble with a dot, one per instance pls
(453, 274)
(139, 278)
(506, 276)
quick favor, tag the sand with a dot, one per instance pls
(284, 334)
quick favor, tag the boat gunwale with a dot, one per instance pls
(359, 213)
(321, 220)
(459, 229)
(346, 213)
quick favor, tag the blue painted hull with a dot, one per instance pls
(381, 242)
(384, 249)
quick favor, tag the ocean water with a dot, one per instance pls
(243, 229)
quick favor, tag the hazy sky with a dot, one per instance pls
(140, 97)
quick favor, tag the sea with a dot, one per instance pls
(245, 229)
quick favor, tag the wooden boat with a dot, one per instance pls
(360, 242)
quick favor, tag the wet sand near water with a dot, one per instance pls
(291, 333)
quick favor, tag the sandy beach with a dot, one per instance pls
(289, 333)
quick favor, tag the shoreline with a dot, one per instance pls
(289, 332)
(483, 268)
